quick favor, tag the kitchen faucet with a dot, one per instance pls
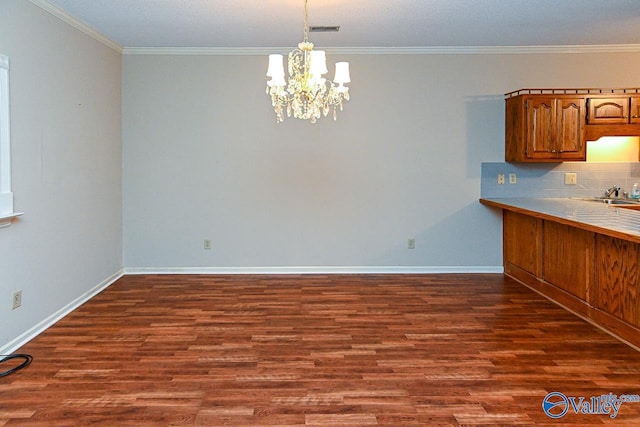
(613, 190)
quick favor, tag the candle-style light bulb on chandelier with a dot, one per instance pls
(306, 95)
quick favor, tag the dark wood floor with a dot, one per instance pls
(395, 350)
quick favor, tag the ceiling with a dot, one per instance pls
(363, 23)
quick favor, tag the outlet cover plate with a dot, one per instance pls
(16, 300)
(570, 178)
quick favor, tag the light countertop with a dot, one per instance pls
(598, 217)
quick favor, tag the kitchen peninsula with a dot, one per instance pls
(581, 254)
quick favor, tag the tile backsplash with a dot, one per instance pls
(547, 179)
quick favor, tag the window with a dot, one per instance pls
(6, 196)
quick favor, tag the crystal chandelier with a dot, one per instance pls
(307, 94)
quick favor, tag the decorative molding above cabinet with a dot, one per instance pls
(554, 125)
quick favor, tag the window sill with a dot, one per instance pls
(7, 218)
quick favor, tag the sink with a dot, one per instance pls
(620, 202)
(609, 200)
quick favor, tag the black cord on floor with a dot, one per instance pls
(27, 360)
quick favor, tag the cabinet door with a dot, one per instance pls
(616, 286)
(540, 127)
(605, 111)
(521, 241)
(568, 258)
(570, 117)
(634, 114)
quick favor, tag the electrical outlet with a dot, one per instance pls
(411, 244)
(17, 300)
(512, 178)
(500, 178)
(207, 244)
(570, 178)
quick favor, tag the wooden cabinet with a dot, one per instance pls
(617, 285)
(614, 110)
(554, 125)
(568, 258)
(590, 270)
(634, 110)
(556, 254)
(542, 128)
(596, 276)
(607, 111)
(521, 241)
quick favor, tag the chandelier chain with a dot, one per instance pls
(306, 21)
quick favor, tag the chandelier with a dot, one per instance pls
(306, 95)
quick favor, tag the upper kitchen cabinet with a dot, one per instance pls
(606, 111)
(634, 117)
(553, 125)
(545, 128)
(615, 114)
(617, 110)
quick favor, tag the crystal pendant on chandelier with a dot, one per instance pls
(306, 95)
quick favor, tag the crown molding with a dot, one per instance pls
(77, 24)
(407, 50)
(202, 50)
(490, 50)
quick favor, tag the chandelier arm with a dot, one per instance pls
(280, 99)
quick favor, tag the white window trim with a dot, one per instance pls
(6, 196)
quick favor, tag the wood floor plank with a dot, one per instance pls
(330, 350)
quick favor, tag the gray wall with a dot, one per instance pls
(204, 159)
(65, 91)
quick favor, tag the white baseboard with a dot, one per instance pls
(30, 334)
(316, 270)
